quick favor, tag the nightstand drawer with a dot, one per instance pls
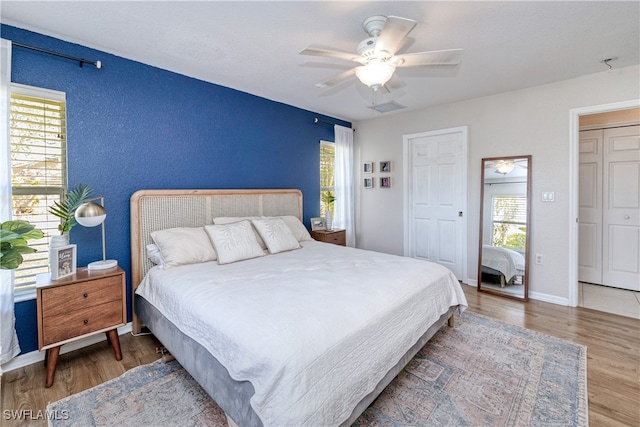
(336, 238)
(63, 299)
(83, 321)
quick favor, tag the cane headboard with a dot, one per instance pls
(153, 210)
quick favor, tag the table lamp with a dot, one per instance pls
(90, 214)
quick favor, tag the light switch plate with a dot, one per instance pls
(548, 196)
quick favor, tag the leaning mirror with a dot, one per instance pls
(503, 259)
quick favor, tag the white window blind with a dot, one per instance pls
(327, 175)
(38, 171)
(509, 222)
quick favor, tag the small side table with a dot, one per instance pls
(86, 303)
(337, 237)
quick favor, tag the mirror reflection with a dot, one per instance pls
(504, 224)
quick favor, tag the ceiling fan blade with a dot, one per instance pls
(331, 54)
(394, 83)
(338, 78)
(393, 34)
(434, 57)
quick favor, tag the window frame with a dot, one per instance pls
(28, 292)
(521, 203)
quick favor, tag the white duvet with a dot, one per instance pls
(509, 262)
(314, 330)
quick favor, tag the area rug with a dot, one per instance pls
(482, 372)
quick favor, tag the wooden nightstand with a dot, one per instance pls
(337, 237)
(74, 307)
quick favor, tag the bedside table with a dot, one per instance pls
(86, 303)
(337, 237)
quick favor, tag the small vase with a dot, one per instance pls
(59, 240)
(328, 220)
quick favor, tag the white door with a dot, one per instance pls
(621, 208)
(590, 207)
(435, 197)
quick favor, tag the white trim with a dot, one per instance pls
(463, 130)
(574, 162)
(38, 92)
(21, 295)
(37, 356)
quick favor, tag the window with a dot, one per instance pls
(38, 172)
(327, 176)
(509, 222)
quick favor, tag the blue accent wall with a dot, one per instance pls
(131, 126)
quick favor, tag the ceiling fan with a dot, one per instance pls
(377, 53)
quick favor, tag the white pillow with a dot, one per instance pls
(154, 255)
(298, 229)
(276, 234)
(221, 220)
(183, 245)
(234, 242)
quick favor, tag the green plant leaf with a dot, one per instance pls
(14, 236)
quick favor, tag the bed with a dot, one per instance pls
(309, 335)
(505, 264)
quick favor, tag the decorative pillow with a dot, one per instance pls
(154, 255)
(298, 229)
(234, 242)
(276, 234)
(183, 245)
(221, 220)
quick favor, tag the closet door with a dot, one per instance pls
(621, 208)
(590, 207)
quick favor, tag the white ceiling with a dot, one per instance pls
(253, 46)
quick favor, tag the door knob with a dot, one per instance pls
(627, 217)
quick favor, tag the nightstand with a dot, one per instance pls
(86, 303)
(337, 237)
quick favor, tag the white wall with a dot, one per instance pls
(532, 121)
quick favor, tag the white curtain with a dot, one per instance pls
(344, 203)
(9, 346)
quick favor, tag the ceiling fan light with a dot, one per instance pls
(376, 73)
(505, 166)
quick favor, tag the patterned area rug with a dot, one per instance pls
(481, 373)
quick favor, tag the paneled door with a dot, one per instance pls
(621, 208)
(590, 207)
(609, 207)
(435, 197)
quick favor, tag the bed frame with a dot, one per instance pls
(153, 210)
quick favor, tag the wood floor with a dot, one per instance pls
(613, 366)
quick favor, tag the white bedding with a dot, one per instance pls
(509, 262)
(304, 326)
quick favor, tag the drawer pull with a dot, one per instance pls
(85, 321)
(85, 295)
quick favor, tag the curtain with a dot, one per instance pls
(9, 346)
(344, 203)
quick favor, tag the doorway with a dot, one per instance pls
(435, 197)
(574, 215)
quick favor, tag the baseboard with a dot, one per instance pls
(532, 295)
(37, 356)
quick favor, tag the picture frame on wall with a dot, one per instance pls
(318, 224)
(367, 167)
(385, 166)
(368, 183)
(62, 261)
(385, 182)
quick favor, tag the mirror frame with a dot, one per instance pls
(525, 277)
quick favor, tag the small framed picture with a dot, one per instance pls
(385, 182)
(385, 166)
(62, 261)
(367, 167)
(317, 224)
(368, 183)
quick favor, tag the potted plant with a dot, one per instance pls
(328, 198)
(14, 236)
(66, 208)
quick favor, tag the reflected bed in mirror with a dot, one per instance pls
(504, 225)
